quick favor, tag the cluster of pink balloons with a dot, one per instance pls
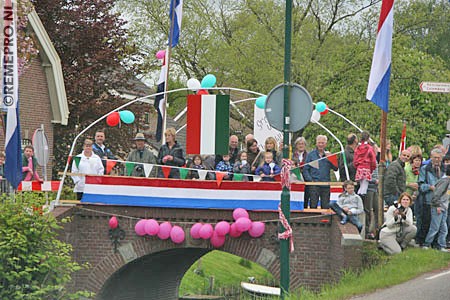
(163, 231)
(218, 233)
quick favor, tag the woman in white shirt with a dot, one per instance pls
(89, 164)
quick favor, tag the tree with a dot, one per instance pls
(90, 40)
(34, 263)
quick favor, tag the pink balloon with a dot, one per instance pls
(217, 240)
(164, 230)
(206, 231)
(234, 233)
(139, 228)
(151, 227)
(257, 229)
(160, 54)
(222, 228)
(243, 224)
(195, 230)
(113, 223)
(177, 235)
(240, 213)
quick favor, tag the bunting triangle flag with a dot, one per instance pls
(183, 173)
(238, 177)
(110, 164)
(219, 177)
(277, 177)
(129, 166)
(256, 178)
(333, 159)
(314, 164)
(297, 173)
(77, 160)
(166, 171)
(148, 169)
(202, 174)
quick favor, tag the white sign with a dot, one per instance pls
(435, 87)
(263, 130)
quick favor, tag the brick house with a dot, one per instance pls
(43, 101)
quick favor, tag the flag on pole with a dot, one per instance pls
(175, 26)
(403, 139)
(160, 102)
(10, 93)
(207, 124)
(380, 73)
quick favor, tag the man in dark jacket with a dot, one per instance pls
(100, 148)
(395, 178)
(352, 142)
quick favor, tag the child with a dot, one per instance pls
(197, 163)
(269, 169)
(225, 166)
(349, 205)
(242, 166)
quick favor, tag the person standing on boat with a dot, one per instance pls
(100, 149)
(89, 164)
(141, 155)
(233, 150)
(272, 146)
(171, 154)
(253, 155)
(320, 174)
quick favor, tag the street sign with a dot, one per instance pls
(435, 87)
(300, 107)
(40, 144)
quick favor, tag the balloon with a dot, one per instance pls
(177, 235)
(113, 223)
(127, 116)
(321, 106)
(113, 119)
(222, 228)
(315, 117)
(240, 213)
(324, 112)
(243, 224)
(261, 102)
(160, 54)
(164, 230)
(195, 230)
(206, 231)
(193, 84)
(257, 229)
(139, 228)
(217, 240)
(208, 81)
(234, 233)
(202, 92)
(151, 227)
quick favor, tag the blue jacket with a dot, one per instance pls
(427, 178)
(322, 174)
(265, 168)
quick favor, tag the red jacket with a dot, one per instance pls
(365, 157)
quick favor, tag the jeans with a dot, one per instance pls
(322, 192)
(438, 225)
(370, 202)
(354, 219)
(422, 231)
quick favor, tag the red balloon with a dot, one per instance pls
(113, 119)
(202, 92)
(325, 111)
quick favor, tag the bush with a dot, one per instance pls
(245, 263)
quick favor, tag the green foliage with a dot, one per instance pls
(372, 256)
(245, 263)
(34, 264)
(225, 268)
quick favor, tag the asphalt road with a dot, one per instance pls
(430, 286)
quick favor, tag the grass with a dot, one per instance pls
(388, 272)
(228, 270)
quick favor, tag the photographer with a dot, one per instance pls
(398, 230)
(141, 155)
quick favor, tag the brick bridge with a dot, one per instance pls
(150, 268)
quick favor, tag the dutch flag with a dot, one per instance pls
(175, 26)
(380, 73)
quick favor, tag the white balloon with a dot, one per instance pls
(193, 84)
(315, 117)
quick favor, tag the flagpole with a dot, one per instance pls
(382, 166)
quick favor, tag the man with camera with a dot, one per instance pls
(141, 155)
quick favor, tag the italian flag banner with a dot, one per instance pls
(207, 124)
